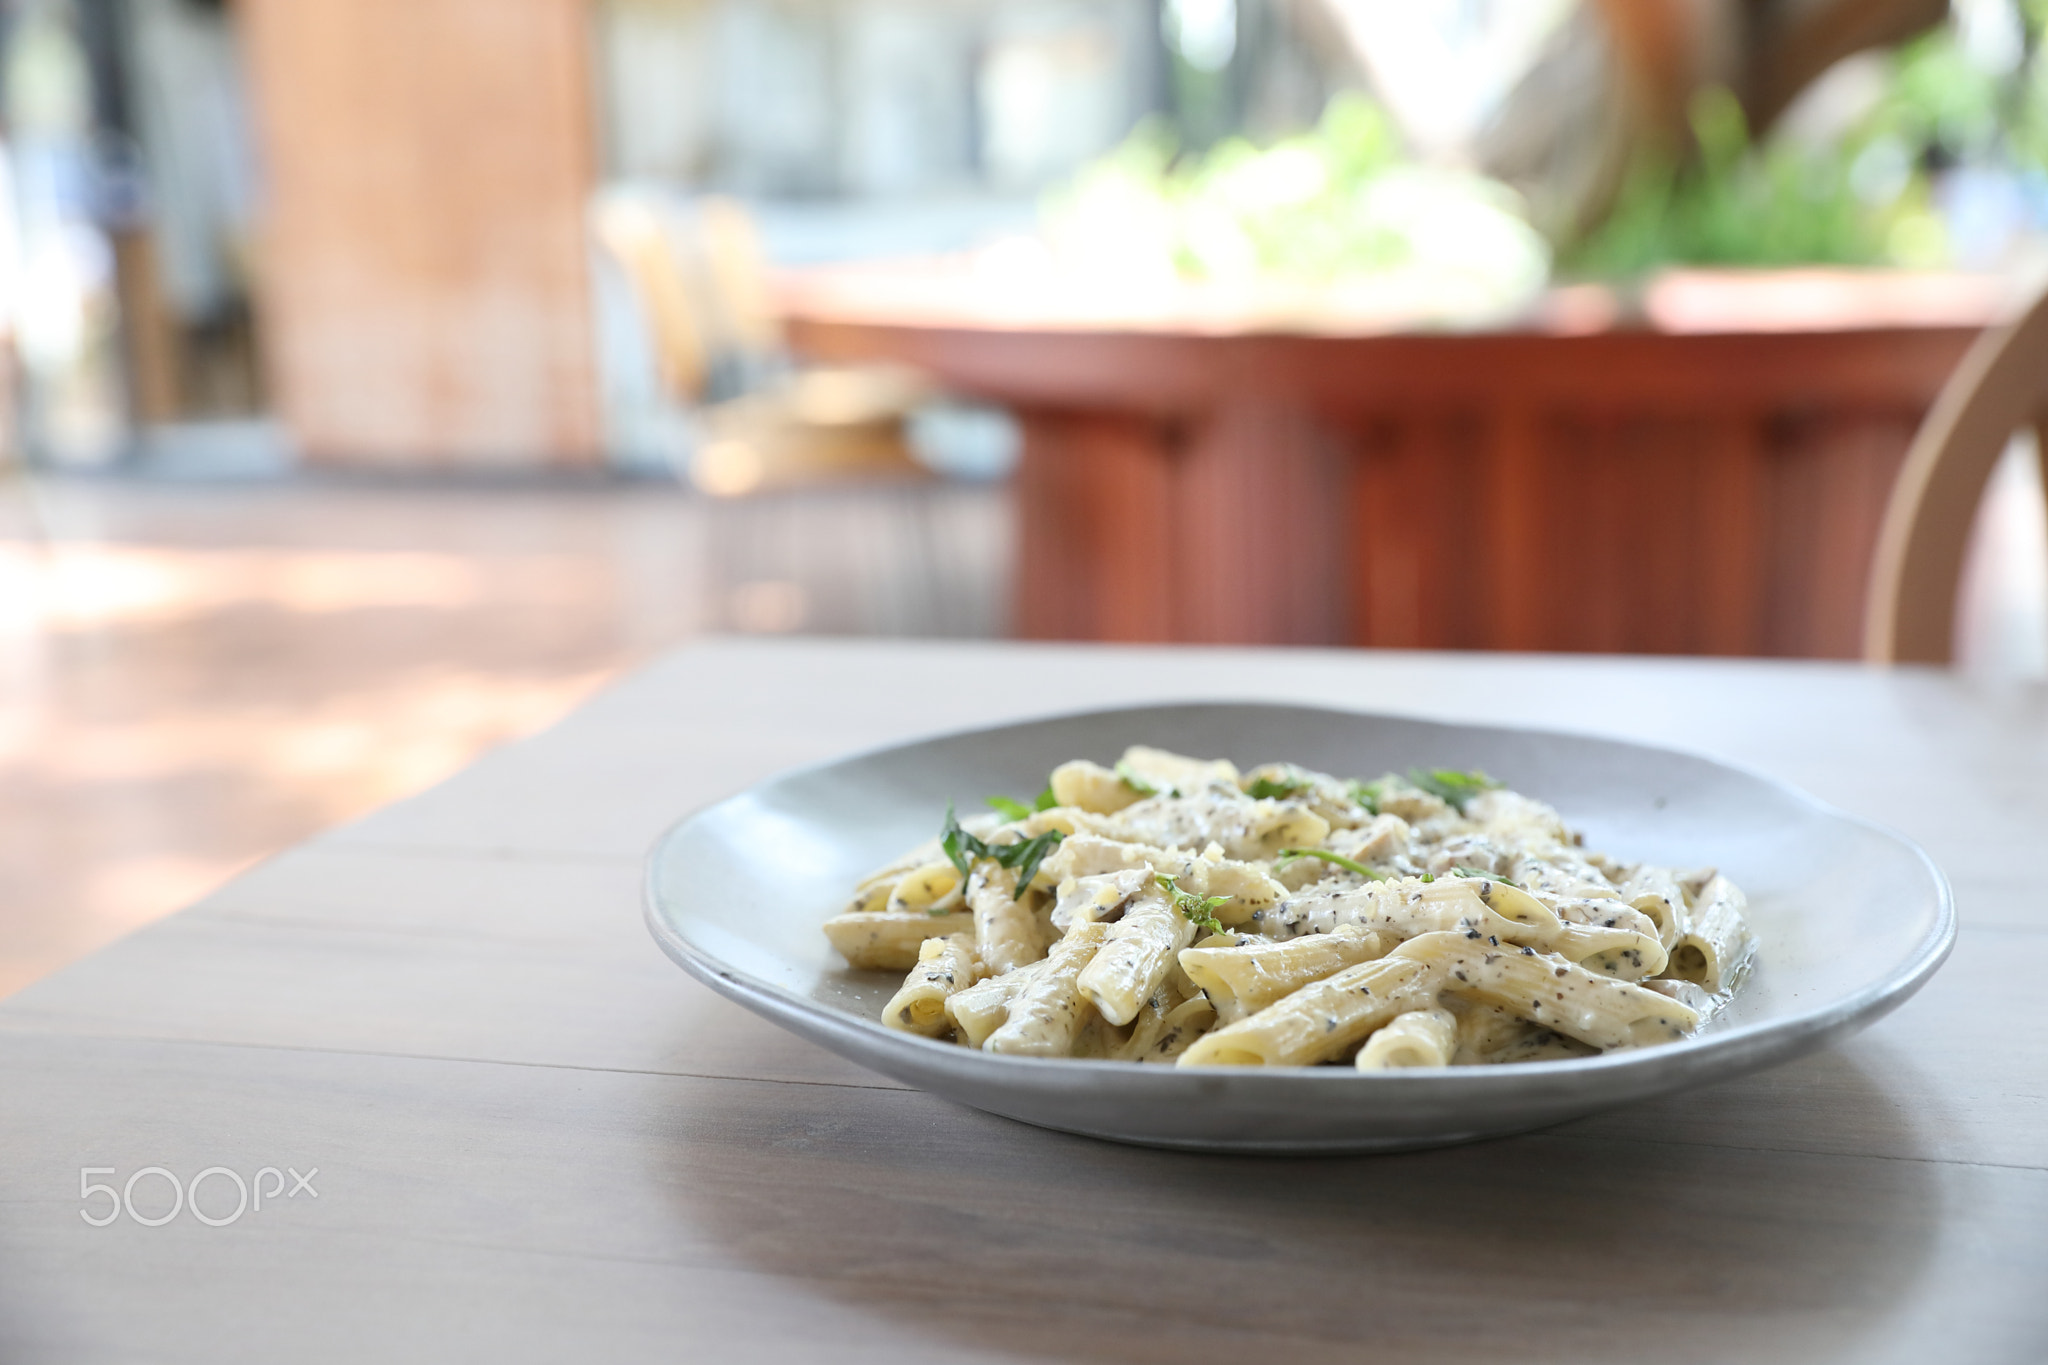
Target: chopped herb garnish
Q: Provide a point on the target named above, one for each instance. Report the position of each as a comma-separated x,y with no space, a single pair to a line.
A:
1264,788
1200,910
1024,856
1366,794
1288,855
1486,876
1128,775
957,844
1017,810
1453,786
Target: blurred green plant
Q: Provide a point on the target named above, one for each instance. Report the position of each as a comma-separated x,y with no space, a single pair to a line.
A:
1344,205
1862,197
1863,201
1341,203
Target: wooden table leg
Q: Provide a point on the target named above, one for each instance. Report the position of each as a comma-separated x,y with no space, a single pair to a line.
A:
1094,528
1258,515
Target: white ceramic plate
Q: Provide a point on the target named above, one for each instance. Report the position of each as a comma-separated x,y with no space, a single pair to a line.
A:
1852,919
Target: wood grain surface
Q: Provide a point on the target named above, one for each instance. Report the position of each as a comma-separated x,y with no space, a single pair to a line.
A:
537,1140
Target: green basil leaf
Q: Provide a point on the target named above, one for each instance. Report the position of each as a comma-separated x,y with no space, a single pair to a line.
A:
1263,788
1453,786
1025,856
1129,777
960,847
1288,855
1486,876
1199,910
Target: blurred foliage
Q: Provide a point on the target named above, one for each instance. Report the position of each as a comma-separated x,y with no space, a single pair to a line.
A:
1865,196
1339,203
1864,181
1778,204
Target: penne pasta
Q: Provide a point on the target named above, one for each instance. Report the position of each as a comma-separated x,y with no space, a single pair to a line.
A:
1714,943
1418,1038
1045,1018
1174,909
944,967
1243,979
887,941
1322,1019
1547,990
1006,933
1136,955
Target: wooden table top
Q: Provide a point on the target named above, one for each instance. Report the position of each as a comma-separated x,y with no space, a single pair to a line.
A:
1704,340
535,1139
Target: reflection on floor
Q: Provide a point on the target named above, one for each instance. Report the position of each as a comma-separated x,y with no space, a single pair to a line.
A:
194,676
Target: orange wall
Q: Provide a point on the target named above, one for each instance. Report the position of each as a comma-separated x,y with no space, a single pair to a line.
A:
423,274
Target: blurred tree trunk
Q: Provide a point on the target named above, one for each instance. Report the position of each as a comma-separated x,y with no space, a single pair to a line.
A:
1787,44
1619,77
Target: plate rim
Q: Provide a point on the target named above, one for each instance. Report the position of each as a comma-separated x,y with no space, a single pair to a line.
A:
1783,1038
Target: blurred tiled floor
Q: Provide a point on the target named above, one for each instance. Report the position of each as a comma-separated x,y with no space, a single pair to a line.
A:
193,676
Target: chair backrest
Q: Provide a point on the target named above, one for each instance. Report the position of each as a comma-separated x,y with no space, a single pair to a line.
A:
700,275
2000,387
633,230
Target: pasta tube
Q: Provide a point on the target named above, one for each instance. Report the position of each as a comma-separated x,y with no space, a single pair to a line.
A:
1241,827
1333,799
1417,1038
1620,942
1490,1036
981,1009
1006,934
1249,888
1556,871
872,891
1480,908
1102,896
1092,788
1484,1030
1547,990
883,940
1656,894
1136,956
1379,839
1508,817
1324,1018
1045,1017
944,967
1411,906
923,888
1241,980
1171,774
1172,1033
1715,946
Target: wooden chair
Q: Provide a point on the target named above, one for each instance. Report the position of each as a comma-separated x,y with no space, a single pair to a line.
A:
816,514
765,424
2000,387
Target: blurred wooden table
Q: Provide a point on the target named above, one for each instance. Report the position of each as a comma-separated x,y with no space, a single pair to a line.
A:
1704,479
537,1140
